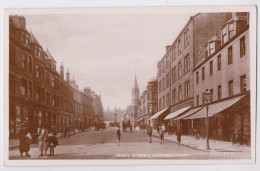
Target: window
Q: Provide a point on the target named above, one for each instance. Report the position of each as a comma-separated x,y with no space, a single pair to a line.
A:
230,88
167,61
202,97
179,46
219,62
211,67
224,35
159,69
163,101
12,54
187,89
27,39
173,54
160,86
37,94
180,93
160,103
30,63
23,87
231,30
242,47
150,109
30,90
219,92
186,38
179,70
211,48
203,73
37,68
197,77
53,100
167,80
43,95
211,95
173,75
52,82
198,100
230,55
174,96
11,84
167,99
243,83
186,63
206,53
24,62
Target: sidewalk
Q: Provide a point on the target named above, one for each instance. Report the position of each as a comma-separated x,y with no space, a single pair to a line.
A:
200,144
13,143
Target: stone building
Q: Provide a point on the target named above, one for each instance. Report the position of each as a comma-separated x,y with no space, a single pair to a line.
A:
148,103
225,72
175,75
38,95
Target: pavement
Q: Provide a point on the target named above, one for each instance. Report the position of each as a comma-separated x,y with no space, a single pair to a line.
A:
219,149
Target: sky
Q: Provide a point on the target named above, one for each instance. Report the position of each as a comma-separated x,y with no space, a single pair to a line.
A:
105,50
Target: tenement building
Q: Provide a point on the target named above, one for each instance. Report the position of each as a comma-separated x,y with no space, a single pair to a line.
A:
225,72
175,75
39,96
148,103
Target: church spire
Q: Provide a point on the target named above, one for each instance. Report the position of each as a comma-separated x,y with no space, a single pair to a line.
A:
135,93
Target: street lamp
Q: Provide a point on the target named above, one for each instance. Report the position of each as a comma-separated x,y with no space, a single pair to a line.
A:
207,95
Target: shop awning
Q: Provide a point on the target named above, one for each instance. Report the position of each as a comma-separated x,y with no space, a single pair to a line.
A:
156,115
215,108
176,113
191,112
140,119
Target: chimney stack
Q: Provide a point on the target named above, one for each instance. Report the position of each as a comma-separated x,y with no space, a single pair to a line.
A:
68,77
62,71
167,47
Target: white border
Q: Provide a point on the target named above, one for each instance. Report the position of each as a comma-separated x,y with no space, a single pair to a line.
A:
252,29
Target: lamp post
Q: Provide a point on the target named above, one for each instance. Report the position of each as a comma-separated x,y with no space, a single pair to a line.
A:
207,94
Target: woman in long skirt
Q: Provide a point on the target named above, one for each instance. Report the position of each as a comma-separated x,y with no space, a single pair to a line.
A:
43,141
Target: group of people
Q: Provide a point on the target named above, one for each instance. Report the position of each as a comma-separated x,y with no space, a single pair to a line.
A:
161,131
46,140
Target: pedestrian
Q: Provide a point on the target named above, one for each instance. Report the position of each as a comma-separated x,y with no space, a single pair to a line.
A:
161,133
163,128
150,133
53,142
178,134
24,144
118,133
43,141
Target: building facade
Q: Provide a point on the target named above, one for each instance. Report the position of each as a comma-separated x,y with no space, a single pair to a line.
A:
175,75
39,96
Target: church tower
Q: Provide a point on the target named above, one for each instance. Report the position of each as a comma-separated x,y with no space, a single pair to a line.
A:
135,93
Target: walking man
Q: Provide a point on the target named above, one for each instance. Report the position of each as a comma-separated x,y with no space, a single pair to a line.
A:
150,133
118,133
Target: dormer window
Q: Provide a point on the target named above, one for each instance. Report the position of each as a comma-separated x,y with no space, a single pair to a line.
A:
224,35
231,31
211,48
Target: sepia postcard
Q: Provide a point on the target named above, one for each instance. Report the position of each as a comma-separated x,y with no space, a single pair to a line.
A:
129,86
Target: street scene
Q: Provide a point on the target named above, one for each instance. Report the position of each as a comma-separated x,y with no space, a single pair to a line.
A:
105,86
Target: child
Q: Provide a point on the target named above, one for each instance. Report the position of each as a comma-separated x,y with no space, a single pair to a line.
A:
161,135
52,143
118,133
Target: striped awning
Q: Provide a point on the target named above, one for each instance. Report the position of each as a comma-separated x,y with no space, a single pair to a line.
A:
191,112
215,108
156,115
176,113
